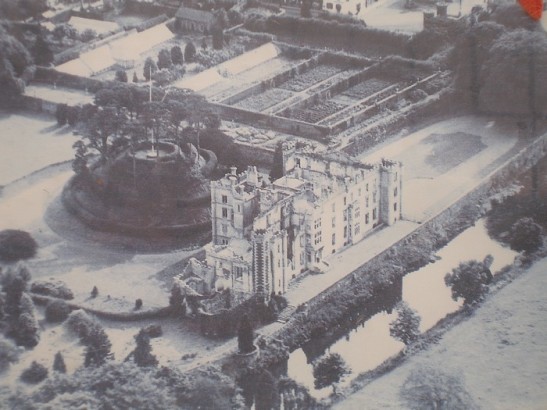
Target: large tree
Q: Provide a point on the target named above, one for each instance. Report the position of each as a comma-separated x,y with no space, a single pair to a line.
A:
102,128
468,281
526,235
515,78
150,67
97,347
142,355
329,371
429,388
406,327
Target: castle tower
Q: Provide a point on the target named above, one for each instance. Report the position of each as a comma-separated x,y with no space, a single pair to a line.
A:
261,264
390,192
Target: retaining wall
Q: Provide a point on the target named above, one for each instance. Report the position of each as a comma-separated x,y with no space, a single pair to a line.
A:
475,199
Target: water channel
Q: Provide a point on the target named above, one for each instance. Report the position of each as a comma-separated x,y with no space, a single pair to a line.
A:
369,344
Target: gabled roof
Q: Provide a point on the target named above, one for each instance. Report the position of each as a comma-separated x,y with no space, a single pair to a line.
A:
195,15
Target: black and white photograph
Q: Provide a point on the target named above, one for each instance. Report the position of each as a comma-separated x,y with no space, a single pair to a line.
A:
273,204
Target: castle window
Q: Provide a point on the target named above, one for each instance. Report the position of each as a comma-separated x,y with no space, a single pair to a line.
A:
345,201
366,202
238,208
317,223
345,231
357,228
366,218
224,199
366,187
333,239
396,176
374,214
333,221
224,229
317,239
395,192
225,212
357,212
333,207
395,206
374,197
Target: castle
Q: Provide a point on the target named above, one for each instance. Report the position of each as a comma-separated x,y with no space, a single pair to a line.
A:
265,234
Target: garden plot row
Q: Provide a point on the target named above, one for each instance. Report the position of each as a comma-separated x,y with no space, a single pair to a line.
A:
367,100
316,112
365,89
304,81
260,102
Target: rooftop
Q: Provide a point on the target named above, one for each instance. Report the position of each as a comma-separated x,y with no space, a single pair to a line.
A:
195,15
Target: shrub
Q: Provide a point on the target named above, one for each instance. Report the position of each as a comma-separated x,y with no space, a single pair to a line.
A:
80,323
26,332
34,374
189,52
153,331
94,292
54,289
176,55
16,245
468,281
121,76
8,353
526,235
138,304
406,327
245,336
57,311
164,59
59,363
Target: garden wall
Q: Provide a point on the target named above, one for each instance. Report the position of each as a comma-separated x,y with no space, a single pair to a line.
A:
299,128
50,76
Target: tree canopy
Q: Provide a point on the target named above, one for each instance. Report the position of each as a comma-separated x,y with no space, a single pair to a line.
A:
406,327
16,245
428,388
468,281
329,371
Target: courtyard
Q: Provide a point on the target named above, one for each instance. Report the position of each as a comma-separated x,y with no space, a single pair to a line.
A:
445,160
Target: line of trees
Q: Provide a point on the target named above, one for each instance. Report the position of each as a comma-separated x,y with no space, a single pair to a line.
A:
123,117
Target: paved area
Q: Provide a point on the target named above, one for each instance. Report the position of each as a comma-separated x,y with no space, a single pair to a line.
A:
430,185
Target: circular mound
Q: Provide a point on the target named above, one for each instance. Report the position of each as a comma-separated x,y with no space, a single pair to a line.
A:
157,191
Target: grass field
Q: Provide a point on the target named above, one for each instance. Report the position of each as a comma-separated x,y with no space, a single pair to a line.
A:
31,142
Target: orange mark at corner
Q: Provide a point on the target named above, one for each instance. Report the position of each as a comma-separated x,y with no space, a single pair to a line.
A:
533,8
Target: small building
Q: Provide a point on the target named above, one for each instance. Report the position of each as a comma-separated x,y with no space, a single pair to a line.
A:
188,19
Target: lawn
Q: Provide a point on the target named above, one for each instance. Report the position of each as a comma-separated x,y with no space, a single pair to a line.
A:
30,142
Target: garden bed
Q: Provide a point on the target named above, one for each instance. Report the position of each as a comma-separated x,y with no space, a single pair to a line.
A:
260,102
306,80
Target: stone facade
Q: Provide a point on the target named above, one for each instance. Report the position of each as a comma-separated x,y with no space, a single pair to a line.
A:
265,234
